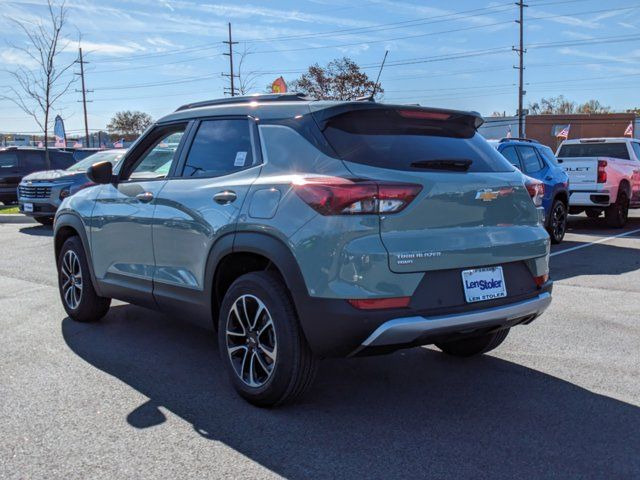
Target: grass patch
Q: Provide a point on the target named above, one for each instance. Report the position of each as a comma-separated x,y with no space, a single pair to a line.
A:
4,209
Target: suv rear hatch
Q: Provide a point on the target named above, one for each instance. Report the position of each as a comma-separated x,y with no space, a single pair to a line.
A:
472,210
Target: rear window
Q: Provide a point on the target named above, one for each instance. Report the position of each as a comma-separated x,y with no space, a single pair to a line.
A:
386,139
613,150
8,160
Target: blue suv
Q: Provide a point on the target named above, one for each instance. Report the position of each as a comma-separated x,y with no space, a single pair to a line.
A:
538,161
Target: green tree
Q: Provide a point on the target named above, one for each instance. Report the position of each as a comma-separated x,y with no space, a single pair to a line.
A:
340,79
129,124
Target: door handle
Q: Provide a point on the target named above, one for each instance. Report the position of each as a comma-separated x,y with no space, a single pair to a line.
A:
145,197
225,197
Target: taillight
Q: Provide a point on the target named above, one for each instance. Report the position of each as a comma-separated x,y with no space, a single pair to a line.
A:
341,196
535,189
381,303
602,171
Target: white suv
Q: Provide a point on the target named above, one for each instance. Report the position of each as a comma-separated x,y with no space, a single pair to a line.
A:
604,176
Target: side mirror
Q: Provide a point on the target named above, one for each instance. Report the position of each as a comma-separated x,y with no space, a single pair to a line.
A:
100,173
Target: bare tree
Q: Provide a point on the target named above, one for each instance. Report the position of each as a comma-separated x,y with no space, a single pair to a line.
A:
37,90
246,78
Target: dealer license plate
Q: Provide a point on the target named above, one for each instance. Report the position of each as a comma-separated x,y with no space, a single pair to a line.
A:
482,284
28,207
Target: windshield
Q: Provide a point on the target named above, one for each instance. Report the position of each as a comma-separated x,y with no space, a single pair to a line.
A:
83,165
611,150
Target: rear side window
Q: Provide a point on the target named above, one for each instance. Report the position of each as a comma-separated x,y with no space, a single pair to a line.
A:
511,155
33,161
636,149
383,138
8,160
548,155
220,147
613,150
530,161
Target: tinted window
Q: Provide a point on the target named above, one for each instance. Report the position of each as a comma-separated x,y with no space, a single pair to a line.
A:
220,147
548,155
150,165
636,149
33,161
386,139
8,160
511,155
530,161
61,160
613,150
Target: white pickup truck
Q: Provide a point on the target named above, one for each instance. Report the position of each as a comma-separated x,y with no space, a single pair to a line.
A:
604,176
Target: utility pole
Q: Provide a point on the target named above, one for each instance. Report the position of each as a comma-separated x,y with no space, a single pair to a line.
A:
521,51
84,97
231,75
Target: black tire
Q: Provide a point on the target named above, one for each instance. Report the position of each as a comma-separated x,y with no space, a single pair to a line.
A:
468,347
44,220
293,369
593,212
87,306
616,215
557,224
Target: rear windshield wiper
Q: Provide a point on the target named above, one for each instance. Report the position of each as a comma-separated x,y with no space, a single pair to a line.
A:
451,164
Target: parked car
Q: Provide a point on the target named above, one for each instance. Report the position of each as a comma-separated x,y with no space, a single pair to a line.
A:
16,162
303,229
40,193
605,177
538,161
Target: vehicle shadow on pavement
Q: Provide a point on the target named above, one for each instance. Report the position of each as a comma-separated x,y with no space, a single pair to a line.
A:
588,261
38,230
414,414
597,227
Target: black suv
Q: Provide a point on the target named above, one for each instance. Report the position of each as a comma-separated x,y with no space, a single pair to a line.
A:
16,162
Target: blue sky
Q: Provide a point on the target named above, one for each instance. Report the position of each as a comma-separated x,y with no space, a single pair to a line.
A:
154,55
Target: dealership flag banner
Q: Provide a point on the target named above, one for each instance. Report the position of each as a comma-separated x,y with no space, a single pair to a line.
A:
58,132
564,133
279,86
629,131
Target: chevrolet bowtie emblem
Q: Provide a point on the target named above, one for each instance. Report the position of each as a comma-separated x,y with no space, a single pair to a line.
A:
487,195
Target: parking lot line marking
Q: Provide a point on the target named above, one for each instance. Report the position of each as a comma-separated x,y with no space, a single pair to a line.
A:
602,240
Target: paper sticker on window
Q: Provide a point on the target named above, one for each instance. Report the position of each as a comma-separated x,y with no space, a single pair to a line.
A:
241,157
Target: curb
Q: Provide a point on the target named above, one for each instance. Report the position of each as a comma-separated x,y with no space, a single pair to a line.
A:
15,218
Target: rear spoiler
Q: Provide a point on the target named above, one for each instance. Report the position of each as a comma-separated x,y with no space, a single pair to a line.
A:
323,115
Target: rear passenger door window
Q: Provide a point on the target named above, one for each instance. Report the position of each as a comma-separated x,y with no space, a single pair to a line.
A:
220,147
636,149
511,155
531,163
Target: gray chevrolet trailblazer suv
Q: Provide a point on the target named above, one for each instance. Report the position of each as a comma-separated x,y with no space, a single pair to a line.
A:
302,229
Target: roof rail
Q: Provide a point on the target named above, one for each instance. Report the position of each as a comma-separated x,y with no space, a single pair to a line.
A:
518,139
266,97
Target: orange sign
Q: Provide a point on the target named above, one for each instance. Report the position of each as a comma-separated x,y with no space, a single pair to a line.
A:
279,86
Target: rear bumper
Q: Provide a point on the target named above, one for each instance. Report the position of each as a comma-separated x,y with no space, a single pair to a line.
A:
418,329
591,198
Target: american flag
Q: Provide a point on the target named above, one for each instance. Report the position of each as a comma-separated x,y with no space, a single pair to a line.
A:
119,143
629,131
78,144
509,131
564,133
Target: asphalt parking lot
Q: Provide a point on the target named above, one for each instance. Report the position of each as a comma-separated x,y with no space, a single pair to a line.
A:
141,395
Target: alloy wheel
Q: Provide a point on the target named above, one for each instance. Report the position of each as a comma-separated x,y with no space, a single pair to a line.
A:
251,341
559,221
72,279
